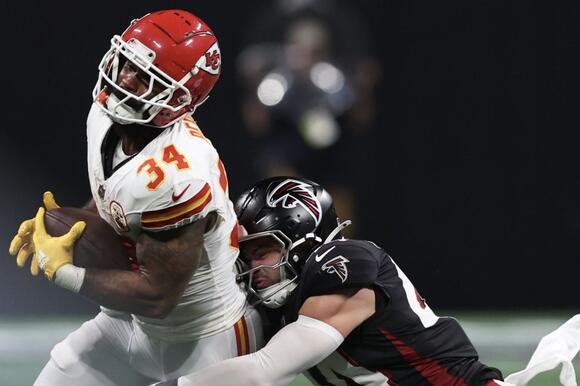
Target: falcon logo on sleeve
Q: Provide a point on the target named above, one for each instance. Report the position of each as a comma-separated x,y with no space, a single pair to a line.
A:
290,193
337,265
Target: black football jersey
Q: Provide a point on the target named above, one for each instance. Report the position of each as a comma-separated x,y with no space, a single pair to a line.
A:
404,343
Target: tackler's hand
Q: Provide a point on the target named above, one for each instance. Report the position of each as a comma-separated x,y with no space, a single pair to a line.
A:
22,245
54,252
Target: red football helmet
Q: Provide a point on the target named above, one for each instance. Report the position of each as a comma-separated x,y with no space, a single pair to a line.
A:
179,56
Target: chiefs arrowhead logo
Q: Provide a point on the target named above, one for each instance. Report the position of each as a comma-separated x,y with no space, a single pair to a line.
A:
211,60
337,265
118,215
290,193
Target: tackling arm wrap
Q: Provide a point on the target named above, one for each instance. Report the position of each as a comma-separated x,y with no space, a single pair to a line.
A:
294,349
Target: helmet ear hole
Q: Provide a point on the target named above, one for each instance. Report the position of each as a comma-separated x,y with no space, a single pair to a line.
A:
291,225
301,250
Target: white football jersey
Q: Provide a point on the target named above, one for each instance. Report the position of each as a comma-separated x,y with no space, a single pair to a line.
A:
176,179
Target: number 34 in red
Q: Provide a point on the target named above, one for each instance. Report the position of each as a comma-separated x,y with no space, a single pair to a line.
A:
170,156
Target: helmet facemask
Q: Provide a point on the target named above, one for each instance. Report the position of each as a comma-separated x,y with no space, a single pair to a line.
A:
125,107
276,294
299,214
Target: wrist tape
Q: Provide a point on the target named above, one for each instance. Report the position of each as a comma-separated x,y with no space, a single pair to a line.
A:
70,277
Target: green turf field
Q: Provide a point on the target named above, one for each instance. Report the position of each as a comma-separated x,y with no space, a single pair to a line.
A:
504,340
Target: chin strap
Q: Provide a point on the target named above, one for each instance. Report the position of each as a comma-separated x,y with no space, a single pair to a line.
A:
276,295
337,230
121,110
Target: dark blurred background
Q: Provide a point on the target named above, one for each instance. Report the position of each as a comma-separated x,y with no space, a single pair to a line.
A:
448,130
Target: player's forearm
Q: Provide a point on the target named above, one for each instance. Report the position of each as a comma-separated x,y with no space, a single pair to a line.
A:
169,259
128,291
309,339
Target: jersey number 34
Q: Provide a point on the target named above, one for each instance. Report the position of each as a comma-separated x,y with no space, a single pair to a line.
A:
170,156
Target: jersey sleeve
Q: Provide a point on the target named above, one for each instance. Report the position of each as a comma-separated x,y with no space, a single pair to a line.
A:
187,201
187,192
339,265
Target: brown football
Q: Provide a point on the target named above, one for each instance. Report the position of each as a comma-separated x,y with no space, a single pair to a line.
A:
99,246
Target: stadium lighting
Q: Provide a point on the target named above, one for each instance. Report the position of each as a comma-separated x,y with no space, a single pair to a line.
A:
272,89
319,129
327,77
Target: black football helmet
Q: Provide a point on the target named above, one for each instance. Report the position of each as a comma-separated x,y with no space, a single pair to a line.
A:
299,215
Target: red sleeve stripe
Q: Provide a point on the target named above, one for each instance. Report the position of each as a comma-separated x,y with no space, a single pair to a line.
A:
242,337
168,216
177,218
159,214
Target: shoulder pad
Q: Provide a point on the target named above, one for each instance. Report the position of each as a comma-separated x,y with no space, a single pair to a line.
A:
340,264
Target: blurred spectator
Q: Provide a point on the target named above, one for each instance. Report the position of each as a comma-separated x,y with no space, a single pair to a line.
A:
308,102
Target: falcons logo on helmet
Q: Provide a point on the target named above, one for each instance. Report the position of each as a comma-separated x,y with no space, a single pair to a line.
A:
337,265
291,193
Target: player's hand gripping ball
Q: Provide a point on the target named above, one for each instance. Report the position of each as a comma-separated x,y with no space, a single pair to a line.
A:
54,252
99,246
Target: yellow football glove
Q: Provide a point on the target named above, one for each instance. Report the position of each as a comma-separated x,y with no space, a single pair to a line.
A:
22,244
54,252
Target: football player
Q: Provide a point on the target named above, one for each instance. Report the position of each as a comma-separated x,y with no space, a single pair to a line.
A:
159,182
348,315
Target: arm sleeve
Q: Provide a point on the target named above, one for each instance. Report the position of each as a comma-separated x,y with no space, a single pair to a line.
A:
294,349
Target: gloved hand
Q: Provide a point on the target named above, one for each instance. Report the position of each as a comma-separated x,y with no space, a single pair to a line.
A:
54,252
22,244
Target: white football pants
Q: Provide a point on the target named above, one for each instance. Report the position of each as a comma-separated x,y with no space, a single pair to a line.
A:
113,350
